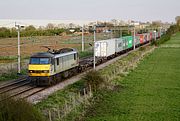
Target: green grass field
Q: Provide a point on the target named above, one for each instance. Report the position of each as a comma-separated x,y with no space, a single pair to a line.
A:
149,93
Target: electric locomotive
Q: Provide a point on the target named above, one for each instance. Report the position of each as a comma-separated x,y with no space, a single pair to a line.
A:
47,68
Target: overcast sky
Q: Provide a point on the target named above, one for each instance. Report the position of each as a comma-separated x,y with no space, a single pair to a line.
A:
140,10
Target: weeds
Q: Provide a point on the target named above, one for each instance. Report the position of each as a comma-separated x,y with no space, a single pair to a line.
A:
142,48
94,79
18,110
12,75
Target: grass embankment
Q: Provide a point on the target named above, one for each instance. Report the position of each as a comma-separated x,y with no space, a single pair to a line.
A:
149,93
59,98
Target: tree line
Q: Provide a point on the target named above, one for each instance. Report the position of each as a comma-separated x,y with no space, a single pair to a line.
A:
30,31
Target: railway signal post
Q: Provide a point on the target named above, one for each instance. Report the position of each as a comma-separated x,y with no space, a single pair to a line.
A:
134,43
82,38
94,64
19,54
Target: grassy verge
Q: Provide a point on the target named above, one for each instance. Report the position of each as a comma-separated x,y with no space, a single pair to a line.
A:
12,75
6,59
149,93
59,98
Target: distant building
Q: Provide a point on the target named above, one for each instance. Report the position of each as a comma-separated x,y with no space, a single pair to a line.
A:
102,28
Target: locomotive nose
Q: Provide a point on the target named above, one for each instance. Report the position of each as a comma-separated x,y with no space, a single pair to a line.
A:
39,70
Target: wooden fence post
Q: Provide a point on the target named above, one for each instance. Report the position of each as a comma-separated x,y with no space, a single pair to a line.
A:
84,93
90,91
59,117
79,96
50,119
65,111
74,104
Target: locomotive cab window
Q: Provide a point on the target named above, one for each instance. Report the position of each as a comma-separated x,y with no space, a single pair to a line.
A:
57,60
39,61
74,56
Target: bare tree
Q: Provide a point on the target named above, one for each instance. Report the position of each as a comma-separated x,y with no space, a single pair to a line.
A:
177,20
50,26
156,23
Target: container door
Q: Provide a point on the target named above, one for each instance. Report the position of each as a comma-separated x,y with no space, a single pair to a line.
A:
141,39
100,49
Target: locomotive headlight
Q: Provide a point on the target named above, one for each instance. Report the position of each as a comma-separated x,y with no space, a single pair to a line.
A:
46,71
30,71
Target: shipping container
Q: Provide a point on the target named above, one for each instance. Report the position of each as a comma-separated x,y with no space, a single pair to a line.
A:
127,42
137,40
157,35
141,38
130,41
145,37
151,36
148,37
124,43
154,35
119,45
105,48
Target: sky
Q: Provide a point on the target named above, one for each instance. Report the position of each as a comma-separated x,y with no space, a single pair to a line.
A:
138,10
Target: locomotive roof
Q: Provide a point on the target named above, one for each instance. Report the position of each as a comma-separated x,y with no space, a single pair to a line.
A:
43,54
64,54
49,55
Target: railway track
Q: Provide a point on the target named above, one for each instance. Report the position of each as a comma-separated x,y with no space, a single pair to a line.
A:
20,88
17,81
14,88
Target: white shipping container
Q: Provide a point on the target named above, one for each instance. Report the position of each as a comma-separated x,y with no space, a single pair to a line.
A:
105,48
119,44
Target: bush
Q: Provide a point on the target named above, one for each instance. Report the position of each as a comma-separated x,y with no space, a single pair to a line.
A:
94,79
18,110
142,48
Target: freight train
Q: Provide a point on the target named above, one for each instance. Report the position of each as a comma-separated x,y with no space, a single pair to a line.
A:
50,67
109,48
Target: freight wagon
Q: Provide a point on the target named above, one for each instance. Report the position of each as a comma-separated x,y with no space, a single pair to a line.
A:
105,48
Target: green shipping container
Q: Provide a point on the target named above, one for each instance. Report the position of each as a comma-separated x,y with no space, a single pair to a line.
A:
130,41
127,42
124,39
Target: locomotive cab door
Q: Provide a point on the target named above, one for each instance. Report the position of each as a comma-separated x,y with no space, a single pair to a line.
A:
53,69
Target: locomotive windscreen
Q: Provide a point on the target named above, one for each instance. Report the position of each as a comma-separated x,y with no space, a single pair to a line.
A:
39,61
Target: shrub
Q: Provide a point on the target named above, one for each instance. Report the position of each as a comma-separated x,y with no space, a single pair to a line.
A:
154,43
142,48
18,110
94,79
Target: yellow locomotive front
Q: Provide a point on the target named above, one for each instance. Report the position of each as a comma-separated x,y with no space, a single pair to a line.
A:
40,68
